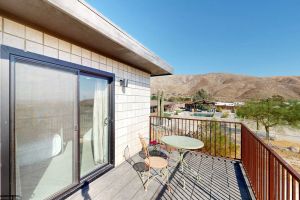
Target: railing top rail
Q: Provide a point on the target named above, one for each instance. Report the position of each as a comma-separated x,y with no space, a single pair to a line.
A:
222,121
287,166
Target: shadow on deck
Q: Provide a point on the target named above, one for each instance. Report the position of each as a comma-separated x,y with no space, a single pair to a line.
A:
219,179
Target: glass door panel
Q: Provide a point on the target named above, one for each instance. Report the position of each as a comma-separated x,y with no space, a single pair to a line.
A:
94,103
45,140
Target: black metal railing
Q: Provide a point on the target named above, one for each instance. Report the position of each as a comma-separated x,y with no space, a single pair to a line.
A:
270,176
221,138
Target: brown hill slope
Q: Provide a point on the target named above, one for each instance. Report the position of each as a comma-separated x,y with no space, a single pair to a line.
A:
228,87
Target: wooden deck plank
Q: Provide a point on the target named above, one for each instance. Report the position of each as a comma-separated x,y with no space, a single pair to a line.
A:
219,185
100,184
219,179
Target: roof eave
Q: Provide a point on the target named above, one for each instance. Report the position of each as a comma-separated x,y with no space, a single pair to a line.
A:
88,28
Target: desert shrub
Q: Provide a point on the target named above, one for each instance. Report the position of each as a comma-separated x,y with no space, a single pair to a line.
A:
167,115
177,112
172,99
218,109
225,114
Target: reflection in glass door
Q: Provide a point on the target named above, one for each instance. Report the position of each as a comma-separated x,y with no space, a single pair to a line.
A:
45,140
94,104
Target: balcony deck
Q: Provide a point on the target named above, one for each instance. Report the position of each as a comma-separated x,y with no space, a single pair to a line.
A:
219,179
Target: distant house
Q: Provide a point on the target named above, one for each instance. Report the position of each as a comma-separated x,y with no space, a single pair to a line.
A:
75,92
192,105
168,106
228,106
231,106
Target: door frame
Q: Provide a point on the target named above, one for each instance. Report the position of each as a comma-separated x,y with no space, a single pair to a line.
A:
10,54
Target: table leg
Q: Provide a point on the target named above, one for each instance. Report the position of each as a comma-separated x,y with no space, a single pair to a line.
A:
183,162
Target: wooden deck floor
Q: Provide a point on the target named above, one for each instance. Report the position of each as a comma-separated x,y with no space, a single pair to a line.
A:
219,179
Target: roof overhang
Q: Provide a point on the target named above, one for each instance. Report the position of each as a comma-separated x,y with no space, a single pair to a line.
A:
78,22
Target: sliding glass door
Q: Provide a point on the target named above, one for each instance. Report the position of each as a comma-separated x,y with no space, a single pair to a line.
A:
45,129
60,128
94,119
59,132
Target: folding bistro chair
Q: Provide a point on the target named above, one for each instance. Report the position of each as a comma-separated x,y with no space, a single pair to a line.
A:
156,163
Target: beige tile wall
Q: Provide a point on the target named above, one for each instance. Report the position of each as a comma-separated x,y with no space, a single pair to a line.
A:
132,105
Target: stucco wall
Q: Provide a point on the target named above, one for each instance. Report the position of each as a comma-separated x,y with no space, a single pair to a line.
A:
132,105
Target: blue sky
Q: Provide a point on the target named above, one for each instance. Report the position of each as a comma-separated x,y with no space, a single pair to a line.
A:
254,37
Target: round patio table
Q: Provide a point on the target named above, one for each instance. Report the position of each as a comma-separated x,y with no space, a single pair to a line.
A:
182,143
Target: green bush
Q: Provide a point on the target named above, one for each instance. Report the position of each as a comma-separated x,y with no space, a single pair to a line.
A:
216,142
172,99
271,112
153,97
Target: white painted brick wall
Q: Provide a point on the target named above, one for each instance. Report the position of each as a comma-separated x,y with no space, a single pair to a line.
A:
132,105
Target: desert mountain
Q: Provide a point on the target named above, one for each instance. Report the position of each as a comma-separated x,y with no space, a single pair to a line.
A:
228,87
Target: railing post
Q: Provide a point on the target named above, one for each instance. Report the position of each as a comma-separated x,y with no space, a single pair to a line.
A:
150,135
271,176
242,138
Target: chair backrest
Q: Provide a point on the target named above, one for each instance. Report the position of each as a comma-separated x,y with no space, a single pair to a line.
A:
127,155
144,146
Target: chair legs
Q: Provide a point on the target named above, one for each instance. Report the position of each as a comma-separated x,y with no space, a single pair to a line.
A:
167,180
143,176
149,178
164,173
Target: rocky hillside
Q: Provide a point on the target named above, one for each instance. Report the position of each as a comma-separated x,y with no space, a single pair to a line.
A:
228,87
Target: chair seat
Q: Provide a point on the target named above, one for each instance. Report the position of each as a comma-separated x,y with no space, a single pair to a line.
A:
156,162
